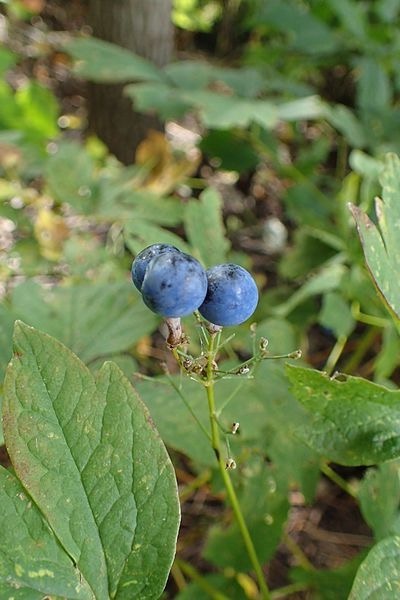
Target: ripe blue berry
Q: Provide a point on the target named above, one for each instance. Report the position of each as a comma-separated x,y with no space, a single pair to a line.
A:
142,260
232,295
174,285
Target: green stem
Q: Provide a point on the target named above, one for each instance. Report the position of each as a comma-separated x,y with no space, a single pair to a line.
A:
285,592
335,354
203,584
233,500
333,476
298,553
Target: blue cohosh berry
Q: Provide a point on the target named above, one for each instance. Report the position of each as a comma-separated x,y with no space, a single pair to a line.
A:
232,295
174,285
143,259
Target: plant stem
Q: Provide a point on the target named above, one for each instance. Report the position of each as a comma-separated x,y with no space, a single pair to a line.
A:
333,476
285,592
203,584
233,500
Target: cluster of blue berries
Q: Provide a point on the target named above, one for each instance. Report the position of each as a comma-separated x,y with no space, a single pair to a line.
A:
174,284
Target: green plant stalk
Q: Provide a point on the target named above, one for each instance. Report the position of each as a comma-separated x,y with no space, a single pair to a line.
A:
233,500
340,482
203,584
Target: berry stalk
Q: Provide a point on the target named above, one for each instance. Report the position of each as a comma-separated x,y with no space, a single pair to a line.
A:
230,490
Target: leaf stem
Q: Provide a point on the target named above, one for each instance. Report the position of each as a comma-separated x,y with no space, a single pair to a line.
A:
203,584
233,500
333,476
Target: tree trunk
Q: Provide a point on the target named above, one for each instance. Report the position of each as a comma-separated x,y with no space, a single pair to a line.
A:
144,27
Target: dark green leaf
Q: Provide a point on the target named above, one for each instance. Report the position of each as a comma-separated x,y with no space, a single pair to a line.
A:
351,421
89,456
32,562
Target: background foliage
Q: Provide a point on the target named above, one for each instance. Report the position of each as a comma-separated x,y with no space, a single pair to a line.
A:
278,116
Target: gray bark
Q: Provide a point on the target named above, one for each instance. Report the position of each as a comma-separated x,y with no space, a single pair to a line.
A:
144,27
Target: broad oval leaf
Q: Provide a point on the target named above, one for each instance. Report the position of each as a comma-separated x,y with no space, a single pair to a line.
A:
352,421
87,452
378,577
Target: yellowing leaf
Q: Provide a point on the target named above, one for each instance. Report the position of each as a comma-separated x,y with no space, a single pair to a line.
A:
165,169
51,232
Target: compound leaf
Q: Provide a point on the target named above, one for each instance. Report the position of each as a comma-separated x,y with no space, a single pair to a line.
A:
88,454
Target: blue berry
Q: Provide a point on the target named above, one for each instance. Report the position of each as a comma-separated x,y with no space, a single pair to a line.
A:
232,295
142,260
175,284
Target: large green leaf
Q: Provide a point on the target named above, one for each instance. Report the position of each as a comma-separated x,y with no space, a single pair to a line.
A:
86,451
352,421
108,63
32,562
92,320
381,242
378,577
205,229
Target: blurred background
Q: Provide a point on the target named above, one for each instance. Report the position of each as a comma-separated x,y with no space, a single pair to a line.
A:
237,130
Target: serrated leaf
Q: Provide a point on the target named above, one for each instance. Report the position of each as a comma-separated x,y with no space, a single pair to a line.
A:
381,242
32,562
378,577
89,456
351,421
108,63
205,229
92,320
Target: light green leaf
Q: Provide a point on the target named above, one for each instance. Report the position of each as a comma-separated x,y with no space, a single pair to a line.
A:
39,109
108,63
378,577
379,498
167,101
351,421
336,315
140,233
93,320
70,176
326,280
381,242
310,107
352,16
345,121
205,229
87,452
32,562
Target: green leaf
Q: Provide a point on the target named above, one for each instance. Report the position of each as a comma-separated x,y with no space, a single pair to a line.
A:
93,320
351,421
235,153
381,242
310,107
7,60
352,16
140,233
205,229
345,121
378,577
108,63
336,315
39,109
379,497
32,562
167,101
373,87
326,280
86,451
265,509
